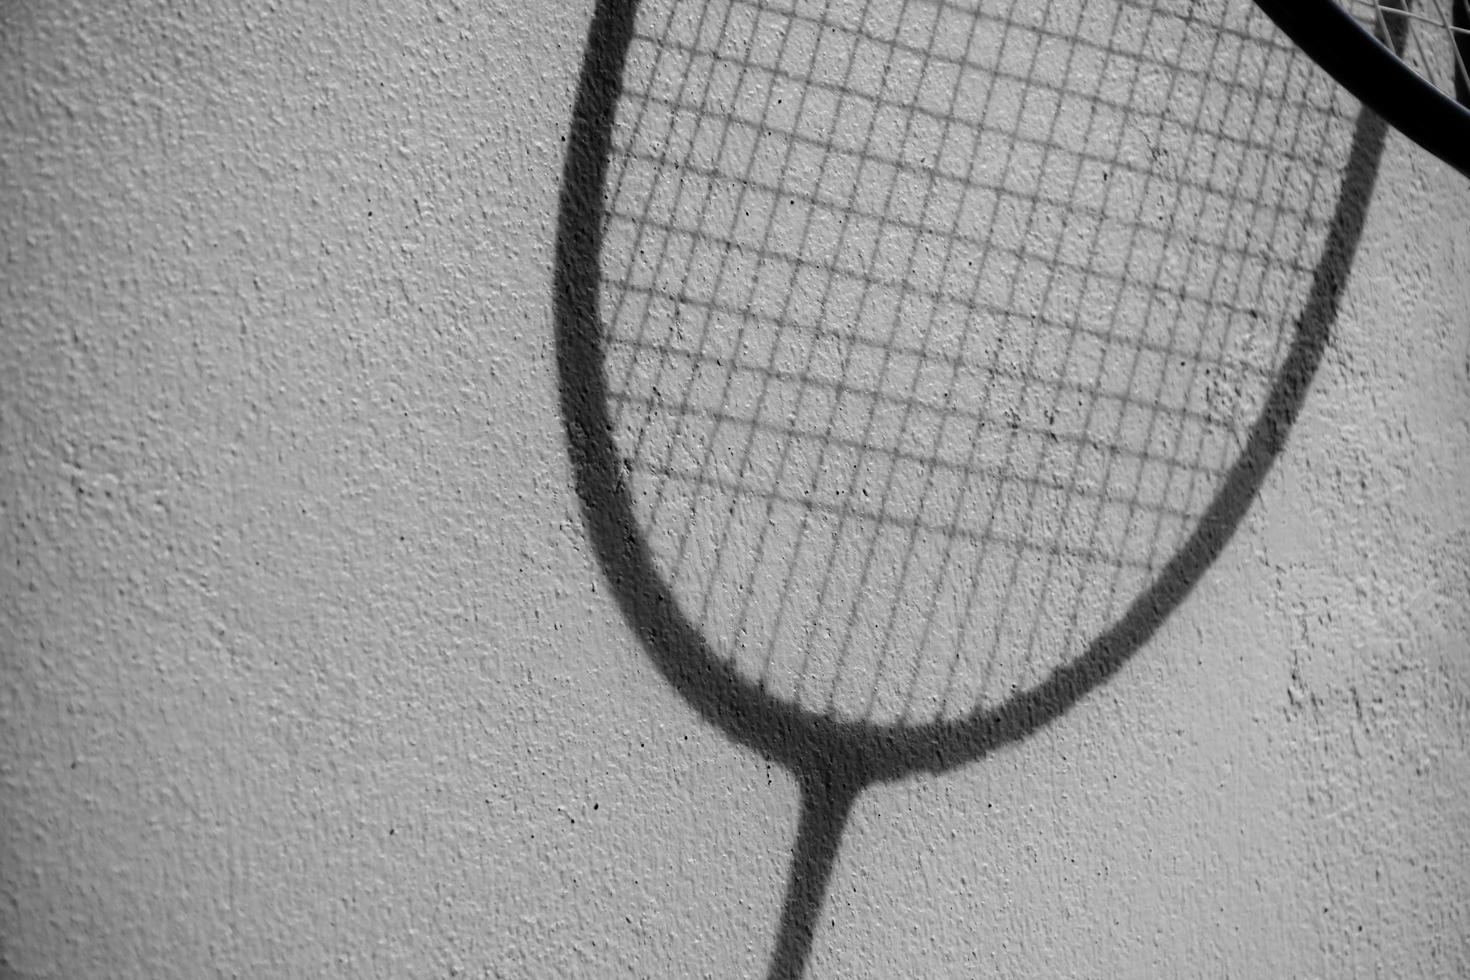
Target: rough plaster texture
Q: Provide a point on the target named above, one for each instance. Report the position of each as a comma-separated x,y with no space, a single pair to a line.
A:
307,670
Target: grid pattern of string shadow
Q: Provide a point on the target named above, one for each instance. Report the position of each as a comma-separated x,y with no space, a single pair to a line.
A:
931,327
1438,45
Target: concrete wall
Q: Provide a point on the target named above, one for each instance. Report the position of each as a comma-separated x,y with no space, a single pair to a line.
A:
308,670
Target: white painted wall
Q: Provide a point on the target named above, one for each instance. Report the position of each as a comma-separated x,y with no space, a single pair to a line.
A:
307,670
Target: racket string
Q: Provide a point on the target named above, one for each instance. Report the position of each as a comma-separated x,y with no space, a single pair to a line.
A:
888,632
774,359
1446,67
971,370
1251,211
882,514
746,592
1230,271
683,171
1156,535
705,324
697,54
615,191
1131,509
1013,574
801,536
857,604
845,642
1020,251
828,564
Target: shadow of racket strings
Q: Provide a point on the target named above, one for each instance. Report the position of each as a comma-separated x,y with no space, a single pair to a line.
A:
916,359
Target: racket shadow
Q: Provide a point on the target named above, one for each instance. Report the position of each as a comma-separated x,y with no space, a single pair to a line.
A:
832,759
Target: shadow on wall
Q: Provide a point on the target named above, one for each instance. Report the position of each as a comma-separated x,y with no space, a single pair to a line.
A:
821,388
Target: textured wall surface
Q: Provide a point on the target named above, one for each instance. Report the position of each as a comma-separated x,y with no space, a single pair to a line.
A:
306,668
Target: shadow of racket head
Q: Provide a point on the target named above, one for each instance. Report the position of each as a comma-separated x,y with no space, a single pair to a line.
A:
917,360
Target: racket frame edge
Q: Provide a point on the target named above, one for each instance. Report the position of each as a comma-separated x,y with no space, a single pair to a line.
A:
1376,76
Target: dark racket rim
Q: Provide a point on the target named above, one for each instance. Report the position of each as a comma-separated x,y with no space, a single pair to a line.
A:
784,732
1378,77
